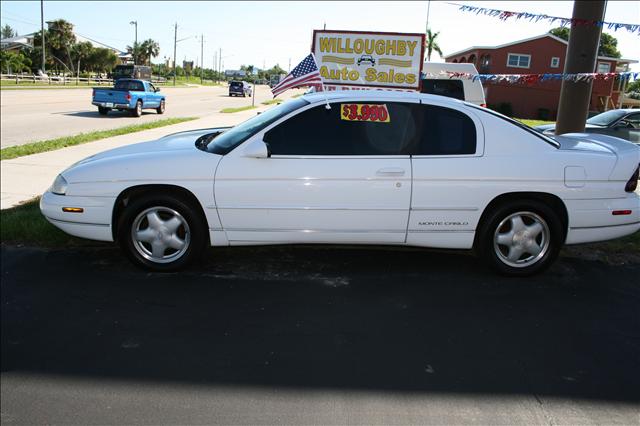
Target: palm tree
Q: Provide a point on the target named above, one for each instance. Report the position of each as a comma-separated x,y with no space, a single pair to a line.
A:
431,44
138,52
150,49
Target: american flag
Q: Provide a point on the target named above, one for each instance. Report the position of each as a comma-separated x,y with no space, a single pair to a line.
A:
304,74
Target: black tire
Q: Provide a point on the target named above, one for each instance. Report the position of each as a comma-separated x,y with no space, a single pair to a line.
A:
527,226
192,231
103,110
160,109
137,111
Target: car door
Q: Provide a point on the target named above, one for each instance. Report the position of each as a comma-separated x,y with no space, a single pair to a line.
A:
446,203
152,98
329,179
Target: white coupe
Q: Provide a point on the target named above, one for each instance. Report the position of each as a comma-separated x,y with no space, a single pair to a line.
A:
374,168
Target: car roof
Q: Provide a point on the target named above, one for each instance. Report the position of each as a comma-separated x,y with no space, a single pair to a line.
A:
379,94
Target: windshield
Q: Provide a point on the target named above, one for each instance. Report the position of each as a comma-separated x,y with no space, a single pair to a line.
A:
606,118
236,135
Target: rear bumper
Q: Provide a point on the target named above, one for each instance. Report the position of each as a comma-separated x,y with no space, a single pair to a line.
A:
93,223
593,220
111,105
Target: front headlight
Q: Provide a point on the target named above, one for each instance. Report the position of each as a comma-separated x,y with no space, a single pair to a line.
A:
59,186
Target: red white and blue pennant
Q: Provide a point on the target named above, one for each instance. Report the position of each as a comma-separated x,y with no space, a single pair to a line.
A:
536,17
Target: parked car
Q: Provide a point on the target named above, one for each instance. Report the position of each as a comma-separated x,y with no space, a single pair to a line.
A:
239,88
129,95
438,81
621,123
378,167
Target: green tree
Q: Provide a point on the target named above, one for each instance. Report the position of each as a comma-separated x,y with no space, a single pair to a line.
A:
14,62
80,53
102,59
608,44
138,53
150,49
60,40
8,32
430,44
633,86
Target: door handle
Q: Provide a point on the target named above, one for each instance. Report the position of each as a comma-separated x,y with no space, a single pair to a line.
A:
390,171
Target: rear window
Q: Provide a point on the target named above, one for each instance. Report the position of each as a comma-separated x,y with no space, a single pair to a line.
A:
236,84
136,86
449,88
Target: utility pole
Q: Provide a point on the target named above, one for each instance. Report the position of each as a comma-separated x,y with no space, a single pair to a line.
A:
175,45
428,7
220,63
201,57
135,44
215,66
42,33
289,65
581,57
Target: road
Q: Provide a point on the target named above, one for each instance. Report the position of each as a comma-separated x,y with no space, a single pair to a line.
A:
33,115
316,335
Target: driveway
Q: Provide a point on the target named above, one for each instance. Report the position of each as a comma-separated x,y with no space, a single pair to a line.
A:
323,335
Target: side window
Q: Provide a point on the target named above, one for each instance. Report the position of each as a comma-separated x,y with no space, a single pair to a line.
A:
318,131
446,131
450,88
152,88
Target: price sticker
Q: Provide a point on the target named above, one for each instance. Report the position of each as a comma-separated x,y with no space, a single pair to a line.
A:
365,112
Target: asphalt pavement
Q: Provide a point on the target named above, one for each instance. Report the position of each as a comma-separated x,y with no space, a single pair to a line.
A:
34,115
316,335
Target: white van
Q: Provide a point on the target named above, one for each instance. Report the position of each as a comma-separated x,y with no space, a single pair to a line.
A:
438,82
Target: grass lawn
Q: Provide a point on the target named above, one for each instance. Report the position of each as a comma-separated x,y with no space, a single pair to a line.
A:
532,123
244,108
25,225
273,101
53,144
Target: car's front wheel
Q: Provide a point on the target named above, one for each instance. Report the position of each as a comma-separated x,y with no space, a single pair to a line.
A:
161,233
520,238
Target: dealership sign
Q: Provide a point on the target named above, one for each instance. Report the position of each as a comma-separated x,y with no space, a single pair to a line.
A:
353,59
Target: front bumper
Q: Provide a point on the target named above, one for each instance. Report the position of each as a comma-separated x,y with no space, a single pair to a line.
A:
93,223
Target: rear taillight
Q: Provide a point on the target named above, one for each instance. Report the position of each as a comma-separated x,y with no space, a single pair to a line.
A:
633,182
483,105
128,96
93,93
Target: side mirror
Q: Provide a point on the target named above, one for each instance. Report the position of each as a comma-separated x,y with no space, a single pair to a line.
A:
257,149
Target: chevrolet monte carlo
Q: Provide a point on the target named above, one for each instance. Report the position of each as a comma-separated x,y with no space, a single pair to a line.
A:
356,168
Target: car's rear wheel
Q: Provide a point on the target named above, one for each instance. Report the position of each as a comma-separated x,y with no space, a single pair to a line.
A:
520,238
160,109
103,110
137,111
161,233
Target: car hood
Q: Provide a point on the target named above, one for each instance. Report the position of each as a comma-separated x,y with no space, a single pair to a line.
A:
174,156
173,142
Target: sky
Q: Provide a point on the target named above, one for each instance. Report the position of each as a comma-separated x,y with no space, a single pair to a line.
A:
266,33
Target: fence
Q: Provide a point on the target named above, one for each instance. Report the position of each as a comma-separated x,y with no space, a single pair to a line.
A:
28,79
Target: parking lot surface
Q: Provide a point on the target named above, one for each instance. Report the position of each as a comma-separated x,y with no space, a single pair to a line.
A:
323,335
34,115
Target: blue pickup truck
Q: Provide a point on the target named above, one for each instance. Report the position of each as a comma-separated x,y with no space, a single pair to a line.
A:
129,95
